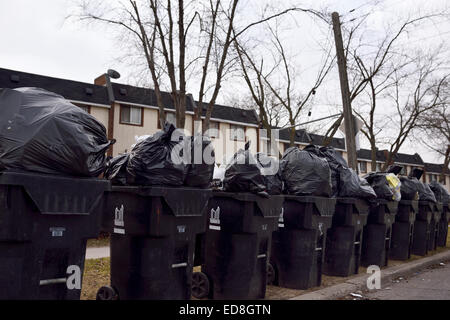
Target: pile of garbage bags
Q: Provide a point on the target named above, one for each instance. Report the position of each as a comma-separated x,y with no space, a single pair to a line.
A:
322,172
243,174
42,132
305,173
440,192
387,186
165,159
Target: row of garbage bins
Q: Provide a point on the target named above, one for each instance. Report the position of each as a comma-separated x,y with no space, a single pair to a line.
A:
287,227
242,241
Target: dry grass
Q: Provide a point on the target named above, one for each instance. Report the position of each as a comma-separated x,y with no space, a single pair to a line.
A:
96,275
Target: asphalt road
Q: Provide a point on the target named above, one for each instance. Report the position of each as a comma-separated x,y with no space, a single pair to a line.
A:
429,284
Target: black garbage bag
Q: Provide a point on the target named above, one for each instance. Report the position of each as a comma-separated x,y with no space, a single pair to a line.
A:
200,166
440,192
116,169
425,193
269,167
386,185
353,186
242,174
409,188
41,131
157,160
335,161
305,173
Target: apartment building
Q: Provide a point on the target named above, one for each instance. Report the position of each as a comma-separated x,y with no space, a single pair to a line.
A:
134,112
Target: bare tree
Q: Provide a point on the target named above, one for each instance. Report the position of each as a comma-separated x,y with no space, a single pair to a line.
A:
370,73
433,129
426,84
165,31
275,87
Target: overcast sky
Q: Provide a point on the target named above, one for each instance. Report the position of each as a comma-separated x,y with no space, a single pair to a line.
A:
36,37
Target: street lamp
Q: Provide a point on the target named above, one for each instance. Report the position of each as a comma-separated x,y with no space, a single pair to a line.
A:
108,75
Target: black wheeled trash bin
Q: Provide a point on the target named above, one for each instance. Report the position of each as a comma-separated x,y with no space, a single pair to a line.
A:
45,221
377,233
434,226
298,247
153,232
236,246
423,226
443,225
403,230
344,238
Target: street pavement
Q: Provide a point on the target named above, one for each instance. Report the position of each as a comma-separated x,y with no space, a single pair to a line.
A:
429,284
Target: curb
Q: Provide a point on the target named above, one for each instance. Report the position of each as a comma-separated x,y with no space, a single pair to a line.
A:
387,275
97,253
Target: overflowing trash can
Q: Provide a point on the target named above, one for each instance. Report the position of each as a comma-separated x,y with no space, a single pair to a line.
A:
298,247
153,232
45,221
443,225
377,233
403,230
424,228
344,238
234,251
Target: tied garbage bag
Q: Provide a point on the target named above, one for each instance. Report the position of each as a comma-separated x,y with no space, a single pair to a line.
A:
41,131
269,167
425,193
440,192
335,161
200,166
158,159
353,186
116,169
304,173
242,174
385,185
409,188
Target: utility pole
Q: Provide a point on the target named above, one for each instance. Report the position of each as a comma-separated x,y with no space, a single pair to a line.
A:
345,92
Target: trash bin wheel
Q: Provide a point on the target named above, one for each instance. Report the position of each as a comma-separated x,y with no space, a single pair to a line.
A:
271,274
107,293
200,285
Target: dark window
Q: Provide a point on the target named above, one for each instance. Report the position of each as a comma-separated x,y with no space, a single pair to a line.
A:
237,133
131,115
363,166
214,129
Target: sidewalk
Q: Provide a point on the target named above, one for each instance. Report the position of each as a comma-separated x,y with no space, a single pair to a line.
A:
97,253
359,283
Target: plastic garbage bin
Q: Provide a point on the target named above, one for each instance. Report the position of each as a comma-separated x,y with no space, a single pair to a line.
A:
298,247
443,225
423,228
434,226
236,246
344,238
403,230
45,221
152,242
377,233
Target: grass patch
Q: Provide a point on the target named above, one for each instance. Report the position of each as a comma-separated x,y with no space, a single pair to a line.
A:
96,274
101,241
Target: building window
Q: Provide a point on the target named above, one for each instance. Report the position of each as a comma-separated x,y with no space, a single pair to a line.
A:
403,171
237,133
131,115
378,168
214,129
363,166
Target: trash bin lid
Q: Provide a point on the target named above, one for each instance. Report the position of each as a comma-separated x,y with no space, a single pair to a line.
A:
58,194
183,201
325,206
